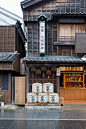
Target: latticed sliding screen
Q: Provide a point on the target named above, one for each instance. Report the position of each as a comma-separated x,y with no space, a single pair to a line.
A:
67,31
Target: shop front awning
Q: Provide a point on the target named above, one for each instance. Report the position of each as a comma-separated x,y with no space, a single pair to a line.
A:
54,59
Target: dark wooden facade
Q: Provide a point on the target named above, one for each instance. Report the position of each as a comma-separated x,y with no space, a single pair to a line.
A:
12,41
33,9
9,69
66,20
67,15
62,43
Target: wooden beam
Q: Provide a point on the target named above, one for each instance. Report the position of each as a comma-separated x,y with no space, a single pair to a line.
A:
46,8
13,90
71,50
65,6
52,38
62,50
32,39
57,50
32,15
17,40
27,41
27,80
9,85
27,15
57,31
80,6
75,6
50,9
55,6
3,39
57,85
85,26
7,37
47,39
84,6
37,38
70,6
60,6
41,7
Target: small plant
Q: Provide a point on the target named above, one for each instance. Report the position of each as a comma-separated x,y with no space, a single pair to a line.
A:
1,97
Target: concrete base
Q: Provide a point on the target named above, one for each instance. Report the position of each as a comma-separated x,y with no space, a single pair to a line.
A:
44,108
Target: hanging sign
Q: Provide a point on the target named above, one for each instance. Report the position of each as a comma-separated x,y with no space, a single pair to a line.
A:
58,72
42,37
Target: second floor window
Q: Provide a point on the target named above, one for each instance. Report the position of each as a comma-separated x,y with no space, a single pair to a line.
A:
67,31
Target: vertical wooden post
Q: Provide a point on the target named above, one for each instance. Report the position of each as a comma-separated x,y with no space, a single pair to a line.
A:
3,39
75,6
9,86
52,38
83,81
84,6
13,90
57,31
27,80
64,80
32,38
57,84
55,6
65,6
70,6
80,6
27,42
60,6
71,50
57,50
57,79
47,39
85,26
37,39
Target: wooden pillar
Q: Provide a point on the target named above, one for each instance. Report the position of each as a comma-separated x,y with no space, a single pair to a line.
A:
9,87
27,42
85,26
13,90
57,84
57,79
27,80
57,32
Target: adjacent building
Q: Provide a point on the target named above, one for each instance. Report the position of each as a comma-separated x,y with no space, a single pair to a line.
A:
12,42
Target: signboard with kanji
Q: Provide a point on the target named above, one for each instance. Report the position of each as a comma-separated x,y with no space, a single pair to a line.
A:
42,37
58,72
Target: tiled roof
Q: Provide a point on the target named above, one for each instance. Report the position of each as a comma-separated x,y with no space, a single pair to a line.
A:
8,56
64,59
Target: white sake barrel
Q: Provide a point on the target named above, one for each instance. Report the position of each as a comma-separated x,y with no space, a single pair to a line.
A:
48,87
31,98
42,98
36,87
53,98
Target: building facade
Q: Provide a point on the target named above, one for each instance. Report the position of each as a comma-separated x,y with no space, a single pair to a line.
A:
12,41
64,45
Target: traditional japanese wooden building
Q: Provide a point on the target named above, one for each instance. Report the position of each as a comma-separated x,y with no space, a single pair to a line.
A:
61,44
12,41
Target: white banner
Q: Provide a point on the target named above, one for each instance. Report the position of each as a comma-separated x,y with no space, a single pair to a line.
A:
42,37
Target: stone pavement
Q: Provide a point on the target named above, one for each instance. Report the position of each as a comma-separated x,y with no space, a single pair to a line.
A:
36,124
69,117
